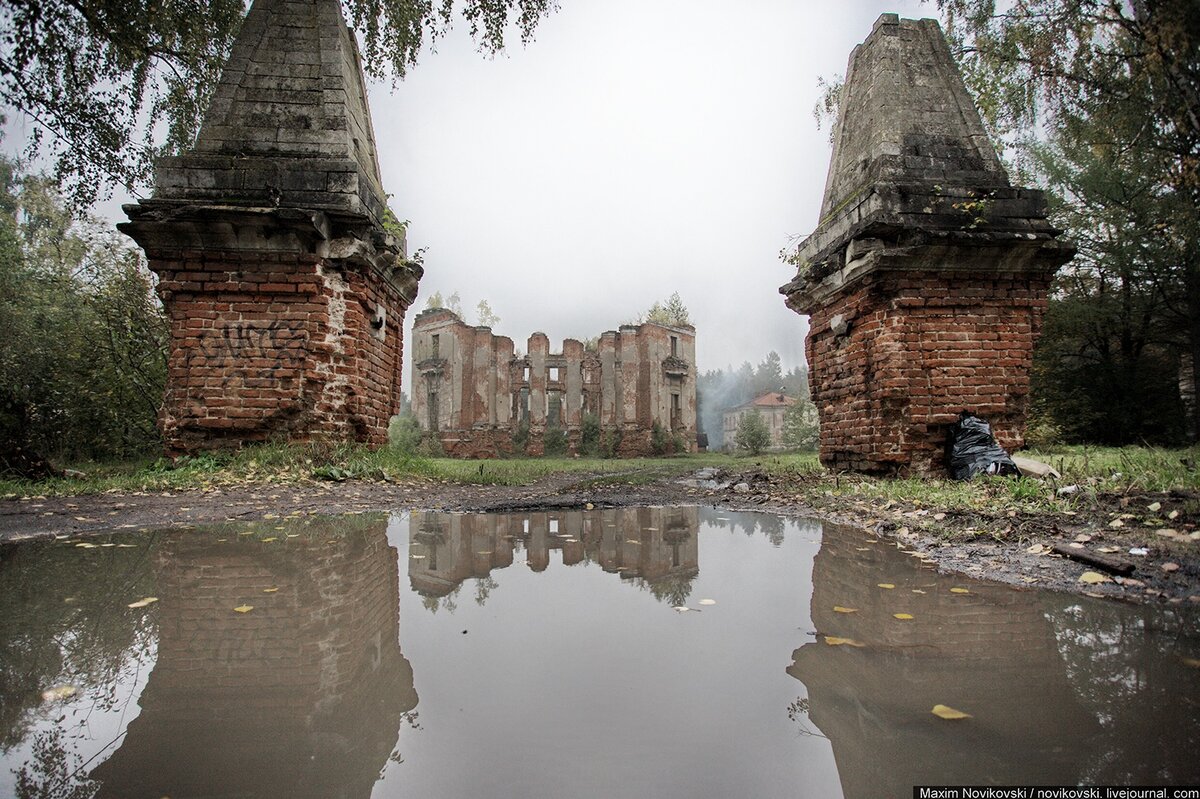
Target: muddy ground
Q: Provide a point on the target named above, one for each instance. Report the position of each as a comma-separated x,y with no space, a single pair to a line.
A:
1002,546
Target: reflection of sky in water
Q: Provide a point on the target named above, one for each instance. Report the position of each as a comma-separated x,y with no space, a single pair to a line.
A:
539,655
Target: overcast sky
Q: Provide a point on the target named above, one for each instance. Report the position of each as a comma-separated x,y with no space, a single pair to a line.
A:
634,149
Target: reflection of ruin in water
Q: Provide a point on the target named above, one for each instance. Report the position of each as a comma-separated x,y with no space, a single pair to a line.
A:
653,547
303,696
997,653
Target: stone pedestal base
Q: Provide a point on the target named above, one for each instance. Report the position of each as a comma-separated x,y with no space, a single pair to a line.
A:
283,325
894,360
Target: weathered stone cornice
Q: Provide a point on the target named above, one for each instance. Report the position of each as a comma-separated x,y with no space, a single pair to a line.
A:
969,253
165,229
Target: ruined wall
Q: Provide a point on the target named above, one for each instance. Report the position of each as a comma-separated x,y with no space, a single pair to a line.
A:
483,401
927,277
285,294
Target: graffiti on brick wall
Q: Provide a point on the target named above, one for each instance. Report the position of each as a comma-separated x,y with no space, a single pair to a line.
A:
246,349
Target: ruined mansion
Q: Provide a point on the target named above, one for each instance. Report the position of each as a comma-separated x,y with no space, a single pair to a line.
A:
633,391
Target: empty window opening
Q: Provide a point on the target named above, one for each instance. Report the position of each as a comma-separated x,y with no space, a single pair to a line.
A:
524,525
554,408
675,346
554,373
526,378
523,405
554,525
676,410
435,342
433,410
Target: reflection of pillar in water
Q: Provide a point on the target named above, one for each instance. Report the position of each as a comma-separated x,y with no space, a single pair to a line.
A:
990,653
301,696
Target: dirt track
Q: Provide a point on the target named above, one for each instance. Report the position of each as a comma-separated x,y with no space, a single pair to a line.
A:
981,545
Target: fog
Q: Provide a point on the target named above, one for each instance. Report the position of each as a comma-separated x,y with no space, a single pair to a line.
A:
635,148
632,150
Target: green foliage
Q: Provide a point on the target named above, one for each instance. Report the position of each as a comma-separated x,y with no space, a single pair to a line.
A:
753,435
589,436
404,433
520,437
82,358
111,85
720,390
801,426
660,439
678,444
1118,87
487,317
554,441
610,442
672,312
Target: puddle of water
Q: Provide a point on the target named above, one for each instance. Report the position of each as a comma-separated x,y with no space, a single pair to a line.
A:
548,655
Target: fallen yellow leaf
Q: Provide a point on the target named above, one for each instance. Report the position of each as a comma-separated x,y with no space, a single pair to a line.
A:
903,616
243,609
835,641
141,603
1092,578
270,590
271,538
886,585
959,591
1193,662
708,601
840,609
945,712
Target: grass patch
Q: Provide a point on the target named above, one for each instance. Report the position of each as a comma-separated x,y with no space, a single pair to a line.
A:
290,463
1093,471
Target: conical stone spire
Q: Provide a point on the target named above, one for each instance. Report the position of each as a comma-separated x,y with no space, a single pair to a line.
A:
911,156
288,125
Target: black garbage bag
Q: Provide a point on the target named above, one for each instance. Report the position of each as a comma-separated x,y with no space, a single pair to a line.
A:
971,450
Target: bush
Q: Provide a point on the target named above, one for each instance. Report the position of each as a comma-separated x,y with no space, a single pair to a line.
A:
801,426
554,441
610,443
589,436
660,441
752,433
404,433
520,437
678,444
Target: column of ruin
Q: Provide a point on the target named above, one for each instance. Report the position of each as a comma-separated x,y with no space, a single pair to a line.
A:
285,294
927,277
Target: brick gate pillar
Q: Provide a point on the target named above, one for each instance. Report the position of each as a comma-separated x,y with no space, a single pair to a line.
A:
286,296
927,276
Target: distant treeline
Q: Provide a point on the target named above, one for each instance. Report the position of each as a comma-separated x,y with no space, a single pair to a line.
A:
720,390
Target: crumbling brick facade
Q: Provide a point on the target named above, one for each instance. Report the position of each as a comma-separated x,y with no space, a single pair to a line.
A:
927,277
285,294
483,401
